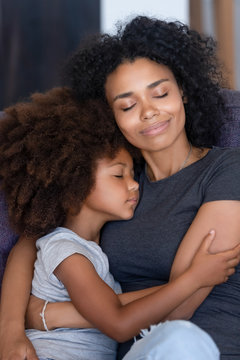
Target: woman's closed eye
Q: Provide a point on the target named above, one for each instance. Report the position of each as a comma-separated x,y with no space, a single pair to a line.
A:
161,96
128,108
154,96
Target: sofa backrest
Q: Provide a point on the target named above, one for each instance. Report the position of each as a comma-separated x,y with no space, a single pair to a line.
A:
7,236
230,133
230,138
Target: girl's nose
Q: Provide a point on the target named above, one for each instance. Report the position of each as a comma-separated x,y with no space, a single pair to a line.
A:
133,185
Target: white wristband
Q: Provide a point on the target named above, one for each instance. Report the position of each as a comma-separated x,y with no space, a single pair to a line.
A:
42,314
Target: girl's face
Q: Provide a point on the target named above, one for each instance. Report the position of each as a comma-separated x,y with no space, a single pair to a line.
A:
115,194
147,104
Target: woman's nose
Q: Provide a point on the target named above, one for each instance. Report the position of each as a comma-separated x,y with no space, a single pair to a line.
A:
148,111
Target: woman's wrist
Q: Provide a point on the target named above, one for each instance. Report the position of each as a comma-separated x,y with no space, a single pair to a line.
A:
11,326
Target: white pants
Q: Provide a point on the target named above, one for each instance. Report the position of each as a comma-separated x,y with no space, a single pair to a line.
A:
174,340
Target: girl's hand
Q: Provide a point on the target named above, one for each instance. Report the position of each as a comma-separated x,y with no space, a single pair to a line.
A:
212,269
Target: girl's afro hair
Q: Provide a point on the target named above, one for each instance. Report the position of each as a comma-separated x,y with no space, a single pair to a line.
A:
49,149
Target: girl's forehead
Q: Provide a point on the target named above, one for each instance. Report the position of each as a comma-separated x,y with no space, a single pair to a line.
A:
122,157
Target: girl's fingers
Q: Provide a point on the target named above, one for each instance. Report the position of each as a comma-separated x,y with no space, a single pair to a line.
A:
231,271
233,262
207,241
232,253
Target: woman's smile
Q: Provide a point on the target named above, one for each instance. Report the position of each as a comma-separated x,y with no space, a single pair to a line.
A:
156,128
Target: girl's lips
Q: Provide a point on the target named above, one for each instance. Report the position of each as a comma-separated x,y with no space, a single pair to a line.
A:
155,129
133,200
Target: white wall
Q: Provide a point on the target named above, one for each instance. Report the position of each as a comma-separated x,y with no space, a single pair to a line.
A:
117,10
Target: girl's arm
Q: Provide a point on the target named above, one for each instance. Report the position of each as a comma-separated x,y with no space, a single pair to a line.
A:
16,288
98,303
224,216
64,314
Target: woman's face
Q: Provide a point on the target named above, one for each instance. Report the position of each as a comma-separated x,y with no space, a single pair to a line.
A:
147,104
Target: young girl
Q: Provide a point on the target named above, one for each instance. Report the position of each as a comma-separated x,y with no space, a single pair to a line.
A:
66,170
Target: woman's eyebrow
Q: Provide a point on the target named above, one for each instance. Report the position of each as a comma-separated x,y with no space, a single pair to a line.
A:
121,96
156,83
150,86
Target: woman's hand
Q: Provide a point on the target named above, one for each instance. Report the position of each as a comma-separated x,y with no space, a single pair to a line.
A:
15,345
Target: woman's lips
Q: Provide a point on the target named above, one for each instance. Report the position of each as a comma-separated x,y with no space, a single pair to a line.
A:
156,128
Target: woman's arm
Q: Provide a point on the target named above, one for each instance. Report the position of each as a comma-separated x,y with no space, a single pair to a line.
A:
98,303
15,293
224,216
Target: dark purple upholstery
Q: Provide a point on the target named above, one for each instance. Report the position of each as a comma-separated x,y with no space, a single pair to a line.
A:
231,131
230,138
7,236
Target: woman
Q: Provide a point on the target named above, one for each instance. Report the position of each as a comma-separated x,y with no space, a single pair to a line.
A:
66,211
162,82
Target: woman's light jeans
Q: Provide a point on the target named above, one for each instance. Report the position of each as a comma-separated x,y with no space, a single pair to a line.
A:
174,340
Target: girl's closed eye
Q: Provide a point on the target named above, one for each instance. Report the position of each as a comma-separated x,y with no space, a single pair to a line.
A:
118,176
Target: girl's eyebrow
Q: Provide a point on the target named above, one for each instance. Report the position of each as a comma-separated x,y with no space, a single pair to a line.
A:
150,86
118,163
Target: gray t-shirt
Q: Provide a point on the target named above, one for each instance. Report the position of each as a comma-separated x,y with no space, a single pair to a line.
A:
64,343
141,250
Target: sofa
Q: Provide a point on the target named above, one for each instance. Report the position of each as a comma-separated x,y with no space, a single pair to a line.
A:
230,137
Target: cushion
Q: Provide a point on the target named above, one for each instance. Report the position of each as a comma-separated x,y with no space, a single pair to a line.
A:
7,237
231,129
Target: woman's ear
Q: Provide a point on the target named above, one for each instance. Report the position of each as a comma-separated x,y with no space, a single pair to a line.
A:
184,98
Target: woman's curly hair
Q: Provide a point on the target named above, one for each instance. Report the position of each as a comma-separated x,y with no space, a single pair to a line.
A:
49,149
190,56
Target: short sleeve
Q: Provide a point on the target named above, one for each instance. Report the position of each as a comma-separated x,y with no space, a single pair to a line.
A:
53,251
222,181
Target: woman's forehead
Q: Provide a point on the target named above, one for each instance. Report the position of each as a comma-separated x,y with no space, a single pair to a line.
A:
131,75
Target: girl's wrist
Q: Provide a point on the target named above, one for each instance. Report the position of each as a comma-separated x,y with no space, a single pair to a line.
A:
191,279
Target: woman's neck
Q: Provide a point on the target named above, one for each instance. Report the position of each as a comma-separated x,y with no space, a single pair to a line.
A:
168,161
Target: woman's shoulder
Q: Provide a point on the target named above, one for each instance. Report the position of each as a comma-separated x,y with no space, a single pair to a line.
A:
220,178
225,155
